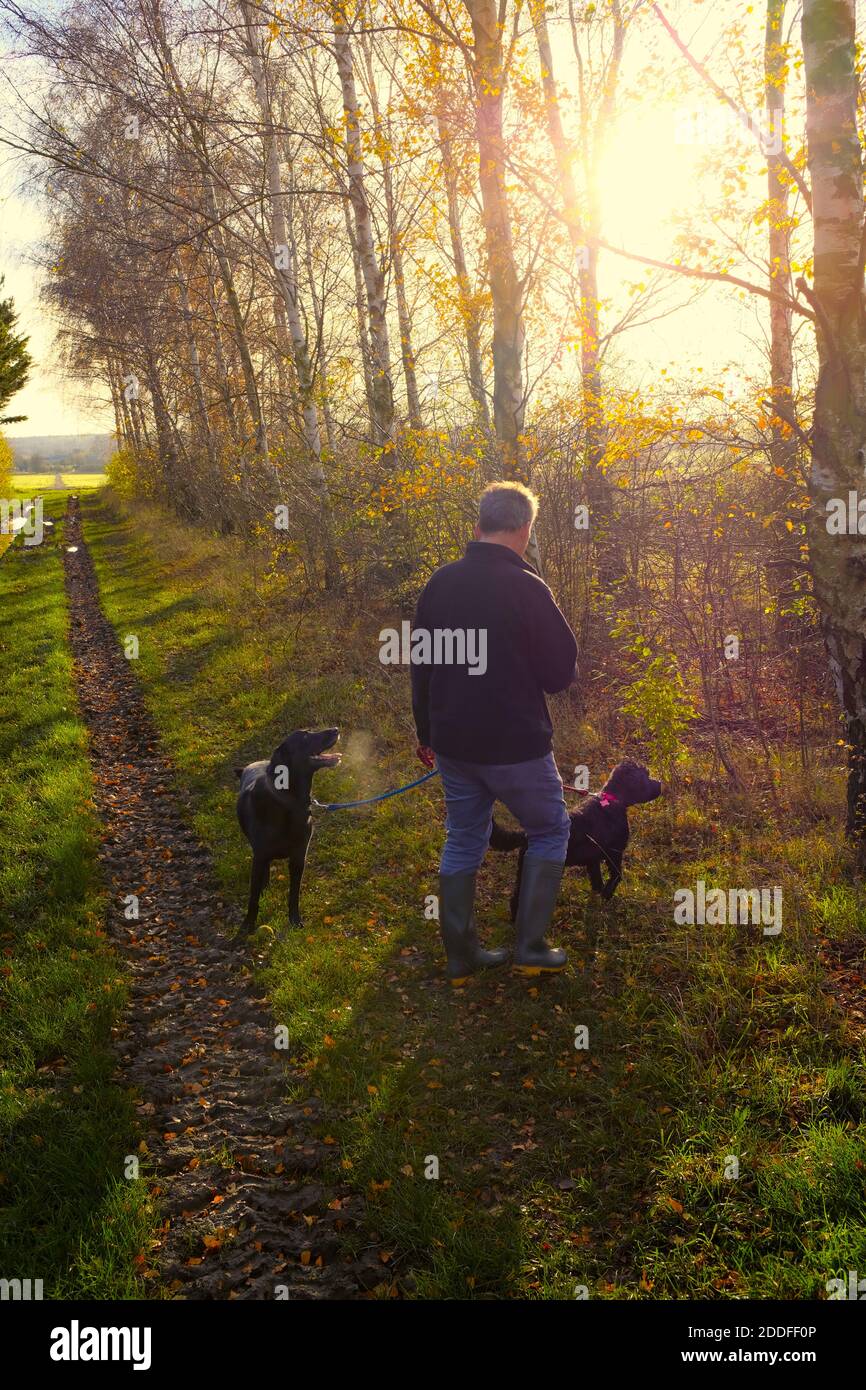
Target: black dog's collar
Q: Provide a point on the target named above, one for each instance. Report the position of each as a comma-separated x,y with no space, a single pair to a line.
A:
606,798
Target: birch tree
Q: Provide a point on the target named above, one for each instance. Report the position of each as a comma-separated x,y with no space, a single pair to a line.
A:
839,428
381,383
383,136
283,259
506,287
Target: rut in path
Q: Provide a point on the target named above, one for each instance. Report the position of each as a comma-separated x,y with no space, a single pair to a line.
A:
237,1169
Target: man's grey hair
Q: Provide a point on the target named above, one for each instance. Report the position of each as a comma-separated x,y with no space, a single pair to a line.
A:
506,507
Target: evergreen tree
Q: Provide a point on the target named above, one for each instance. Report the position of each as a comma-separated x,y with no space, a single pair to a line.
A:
15,360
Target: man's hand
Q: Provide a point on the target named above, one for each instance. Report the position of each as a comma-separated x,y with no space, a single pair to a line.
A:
426,755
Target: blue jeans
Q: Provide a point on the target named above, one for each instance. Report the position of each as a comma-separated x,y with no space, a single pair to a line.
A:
532,791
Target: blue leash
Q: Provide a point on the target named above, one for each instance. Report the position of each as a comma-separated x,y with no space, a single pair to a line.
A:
368,800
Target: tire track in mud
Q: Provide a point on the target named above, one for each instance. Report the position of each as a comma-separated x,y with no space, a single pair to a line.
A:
238,1169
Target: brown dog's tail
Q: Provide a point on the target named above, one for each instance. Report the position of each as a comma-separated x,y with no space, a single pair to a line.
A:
505,840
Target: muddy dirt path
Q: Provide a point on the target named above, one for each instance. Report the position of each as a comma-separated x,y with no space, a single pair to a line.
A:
237,1168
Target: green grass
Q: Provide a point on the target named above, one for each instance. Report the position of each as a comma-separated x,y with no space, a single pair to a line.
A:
67,1214
558,1168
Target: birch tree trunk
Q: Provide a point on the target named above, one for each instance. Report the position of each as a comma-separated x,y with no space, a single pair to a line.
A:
383,143
162,423
839,428
195,366
318,302
467,308
593,129
285,382
361,314
221,363
781,336
139,423
119,424
335,164
130,433
374,281
505,285
784,562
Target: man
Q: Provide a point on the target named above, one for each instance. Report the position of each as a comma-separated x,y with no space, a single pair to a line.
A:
488,727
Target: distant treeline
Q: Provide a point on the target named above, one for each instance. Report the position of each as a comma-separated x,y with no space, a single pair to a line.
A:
73,453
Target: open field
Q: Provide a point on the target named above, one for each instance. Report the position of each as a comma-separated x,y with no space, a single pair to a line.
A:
30,483
28,486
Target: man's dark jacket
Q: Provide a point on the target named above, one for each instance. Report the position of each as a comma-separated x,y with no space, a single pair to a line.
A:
500,716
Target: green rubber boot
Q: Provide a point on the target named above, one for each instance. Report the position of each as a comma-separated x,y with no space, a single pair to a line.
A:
459,933
539,889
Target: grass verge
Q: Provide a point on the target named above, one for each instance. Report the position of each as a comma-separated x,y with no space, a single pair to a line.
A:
67,1214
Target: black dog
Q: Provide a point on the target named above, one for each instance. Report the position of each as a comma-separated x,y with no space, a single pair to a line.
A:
274,811
599,830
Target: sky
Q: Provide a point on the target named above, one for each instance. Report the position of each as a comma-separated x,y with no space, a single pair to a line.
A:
650,175
51,405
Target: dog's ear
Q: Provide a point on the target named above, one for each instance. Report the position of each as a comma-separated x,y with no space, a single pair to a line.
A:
285,750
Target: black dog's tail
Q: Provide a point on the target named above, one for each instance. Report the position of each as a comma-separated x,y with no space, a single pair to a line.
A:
505,840
239,772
